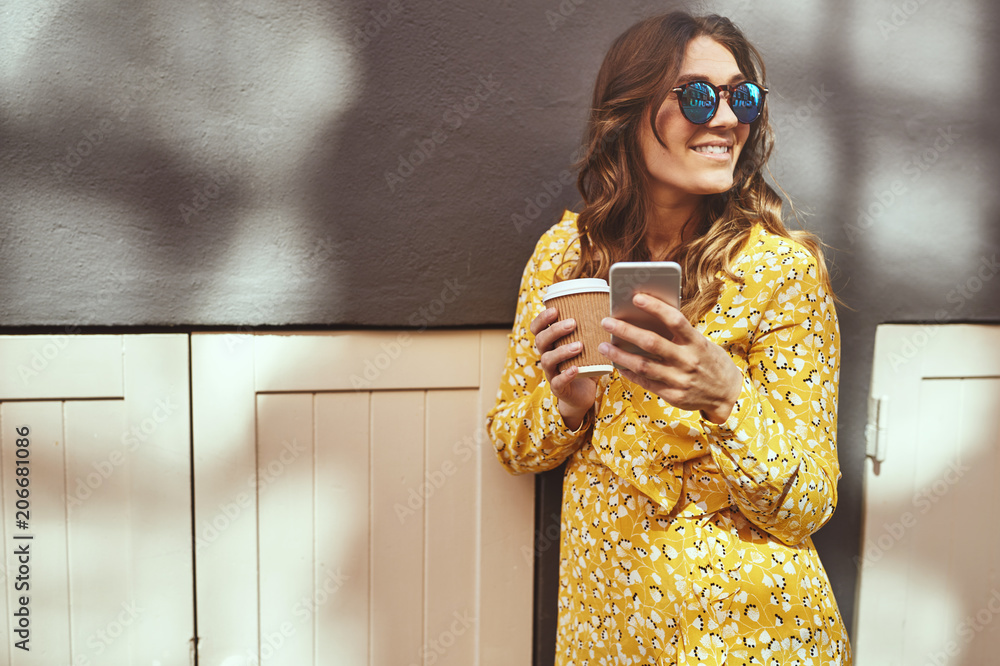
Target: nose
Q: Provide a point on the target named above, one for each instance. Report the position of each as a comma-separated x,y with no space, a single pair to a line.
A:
724,116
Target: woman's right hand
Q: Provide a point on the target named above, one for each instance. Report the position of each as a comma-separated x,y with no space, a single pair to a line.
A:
575,394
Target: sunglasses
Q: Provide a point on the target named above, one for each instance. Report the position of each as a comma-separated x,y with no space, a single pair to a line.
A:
699,100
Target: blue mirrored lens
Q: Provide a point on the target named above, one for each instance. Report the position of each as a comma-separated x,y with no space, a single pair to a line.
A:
699,102
746,100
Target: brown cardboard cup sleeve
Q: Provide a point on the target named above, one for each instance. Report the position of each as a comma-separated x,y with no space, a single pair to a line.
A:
588,301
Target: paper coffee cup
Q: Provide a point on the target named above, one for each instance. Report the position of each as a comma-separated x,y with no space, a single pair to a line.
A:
588,301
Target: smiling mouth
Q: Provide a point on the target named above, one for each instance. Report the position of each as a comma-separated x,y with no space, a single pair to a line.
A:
712,150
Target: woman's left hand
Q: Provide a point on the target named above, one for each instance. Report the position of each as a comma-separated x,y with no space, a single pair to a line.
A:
690,371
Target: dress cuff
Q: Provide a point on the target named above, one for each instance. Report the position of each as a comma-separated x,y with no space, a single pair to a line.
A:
741,410
555,427
588,420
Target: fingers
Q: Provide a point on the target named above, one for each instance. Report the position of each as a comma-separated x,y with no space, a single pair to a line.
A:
676,323
548,333
561,382
635,364
576,394
678,331
645,382
640,337
543,320
672,359
650,374
551,359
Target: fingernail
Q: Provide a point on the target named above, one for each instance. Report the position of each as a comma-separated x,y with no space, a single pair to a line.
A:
639,299
604,348
606,323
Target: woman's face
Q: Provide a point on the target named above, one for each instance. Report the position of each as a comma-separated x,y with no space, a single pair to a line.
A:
696,159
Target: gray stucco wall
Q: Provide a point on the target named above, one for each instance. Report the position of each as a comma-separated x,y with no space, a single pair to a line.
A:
392,163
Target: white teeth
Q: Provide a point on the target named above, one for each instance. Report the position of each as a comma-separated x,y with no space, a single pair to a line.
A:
718,150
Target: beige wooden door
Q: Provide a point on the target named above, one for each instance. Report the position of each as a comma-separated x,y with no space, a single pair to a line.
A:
97,540
348,506
930,565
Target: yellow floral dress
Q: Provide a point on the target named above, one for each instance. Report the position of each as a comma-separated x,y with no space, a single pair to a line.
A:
683,541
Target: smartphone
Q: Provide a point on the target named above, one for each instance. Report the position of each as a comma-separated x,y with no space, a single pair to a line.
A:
661,279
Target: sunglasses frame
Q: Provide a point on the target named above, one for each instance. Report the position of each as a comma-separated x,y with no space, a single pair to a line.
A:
718,90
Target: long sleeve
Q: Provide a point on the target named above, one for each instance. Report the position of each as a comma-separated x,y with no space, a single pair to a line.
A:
683,539
639,437
775,457
525,426
777,450
646,442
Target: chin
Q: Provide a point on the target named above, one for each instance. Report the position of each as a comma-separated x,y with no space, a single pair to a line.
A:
717,186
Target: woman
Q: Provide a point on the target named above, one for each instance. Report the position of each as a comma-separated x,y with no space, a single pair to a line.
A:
695,479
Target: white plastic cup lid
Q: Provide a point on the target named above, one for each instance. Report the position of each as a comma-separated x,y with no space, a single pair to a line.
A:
578,286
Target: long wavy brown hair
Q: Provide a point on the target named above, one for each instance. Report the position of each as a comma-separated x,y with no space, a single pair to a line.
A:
637,75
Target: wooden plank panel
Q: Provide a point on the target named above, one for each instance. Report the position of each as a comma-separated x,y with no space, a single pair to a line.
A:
397,524
341,605
6,577
60,366
225,473
368,360
897,375
932,603
157,444
285,523
44,583
880,620
506,534
104,608
977,524
930,576
937,347
397,536
451,504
